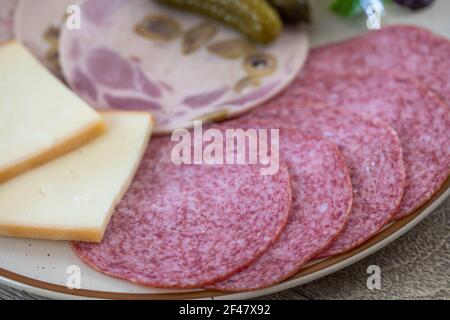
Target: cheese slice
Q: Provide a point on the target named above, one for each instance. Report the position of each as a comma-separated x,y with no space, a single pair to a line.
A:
40,118
73,197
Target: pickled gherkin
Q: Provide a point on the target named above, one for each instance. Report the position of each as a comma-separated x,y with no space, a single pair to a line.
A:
254,18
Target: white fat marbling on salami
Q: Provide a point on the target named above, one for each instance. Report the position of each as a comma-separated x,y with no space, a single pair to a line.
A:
111,65
38,24
420,117
7,19
372,151
402,48
321,202
186,226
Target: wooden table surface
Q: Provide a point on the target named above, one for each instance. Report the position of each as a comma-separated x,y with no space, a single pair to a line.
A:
415,266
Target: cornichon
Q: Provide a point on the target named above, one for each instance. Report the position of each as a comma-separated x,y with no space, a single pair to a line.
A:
254,18
292,11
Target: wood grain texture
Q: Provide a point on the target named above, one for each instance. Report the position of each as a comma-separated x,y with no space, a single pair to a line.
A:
415,266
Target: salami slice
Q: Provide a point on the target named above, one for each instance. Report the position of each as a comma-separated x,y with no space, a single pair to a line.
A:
6,19
421,119
187,226
371,150
402,48
321,202
141,55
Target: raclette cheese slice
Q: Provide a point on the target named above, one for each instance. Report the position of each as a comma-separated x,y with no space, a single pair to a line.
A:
40,118
73,197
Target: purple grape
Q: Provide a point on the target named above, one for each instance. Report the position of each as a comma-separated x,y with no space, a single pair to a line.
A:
415,4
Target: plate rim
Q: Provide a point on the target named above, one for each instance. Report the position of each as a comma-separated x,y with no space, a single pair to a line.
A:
309,273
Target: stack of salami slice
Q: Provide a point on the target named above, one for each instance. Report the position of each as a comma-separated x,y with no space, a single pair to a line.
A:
365,136
364,140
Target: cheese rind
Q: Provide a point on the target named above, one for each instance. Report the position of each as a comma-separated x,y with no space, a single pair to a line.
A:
73,197
40,118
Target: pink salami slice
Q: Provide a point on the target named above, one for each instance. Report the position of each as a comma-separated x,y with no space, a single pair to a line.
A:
141,55
7,19
421,119
321,202
186,226
38,25
371,150
409,49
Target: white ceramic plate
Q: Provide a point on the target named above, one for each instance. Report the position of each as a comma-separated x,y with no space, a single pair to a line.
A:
41,267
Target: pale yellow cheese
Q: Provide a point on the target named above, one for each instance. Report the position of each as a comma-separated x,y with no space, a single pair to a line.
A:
73,197
40,118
